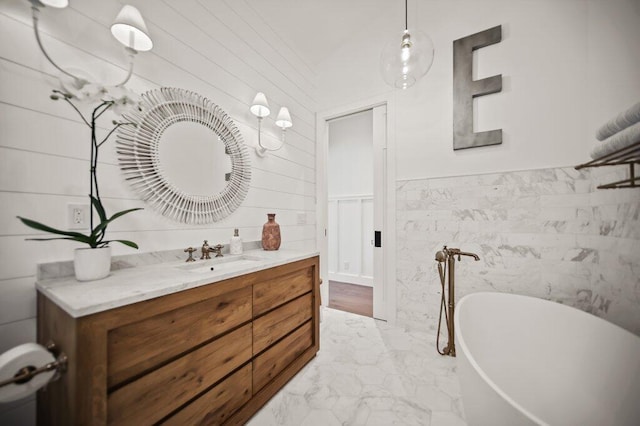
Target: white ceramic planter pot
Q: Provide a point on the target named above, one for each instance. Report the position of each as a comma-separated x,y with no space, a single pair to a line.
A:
92,263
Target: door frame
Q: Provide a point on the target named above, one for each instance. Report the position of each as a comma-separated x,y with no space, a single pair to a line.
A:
386,310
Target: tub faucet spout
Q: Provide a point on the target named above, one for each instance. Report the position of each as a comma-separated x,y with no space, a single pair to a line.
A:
464,253
458,252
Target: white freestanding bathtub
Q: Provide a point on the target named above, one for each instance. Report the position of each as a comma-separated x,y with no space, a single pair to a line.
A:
528,361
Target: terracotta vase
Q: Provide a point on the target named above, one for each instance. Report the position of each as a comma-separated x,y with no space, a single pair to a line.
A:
271,233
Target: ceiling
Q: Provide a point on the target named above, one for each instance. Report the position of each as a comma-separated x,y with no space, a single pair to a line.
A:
314,29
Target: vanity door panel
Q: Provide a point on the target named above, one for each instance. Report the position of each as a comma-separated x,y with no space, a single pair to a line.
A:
156,395
269,364
216,405
278,323
140,346
276,291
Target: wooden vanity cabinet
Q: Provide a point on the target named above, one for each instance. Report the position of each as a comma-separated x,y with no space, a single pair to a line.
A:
213,354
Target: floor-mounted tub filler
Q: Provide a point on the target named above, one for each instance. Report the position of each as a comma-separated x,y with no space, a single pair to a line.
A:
446,259
528,361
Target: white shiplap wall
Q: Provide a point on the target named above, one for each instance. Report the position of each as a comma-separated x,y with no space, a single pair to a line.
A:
221,49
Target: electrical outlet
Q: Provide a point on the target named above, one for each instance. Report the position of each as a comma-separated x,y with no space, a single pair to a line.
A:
302,218
77,216
346,266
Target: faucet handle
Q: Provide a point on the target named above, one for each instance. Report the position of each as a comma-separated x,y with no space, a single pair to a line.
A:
190,250
218,250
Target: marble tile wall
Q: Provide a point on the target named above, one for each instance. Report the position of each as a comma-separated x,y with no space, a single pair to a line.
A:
547,233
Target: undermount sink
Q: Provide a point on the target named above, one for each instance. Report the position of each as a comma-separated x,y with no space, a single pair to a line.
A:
221,264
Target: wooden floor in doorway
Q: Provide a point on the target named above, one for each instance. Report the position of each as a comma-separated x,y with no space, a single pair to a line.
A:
357,299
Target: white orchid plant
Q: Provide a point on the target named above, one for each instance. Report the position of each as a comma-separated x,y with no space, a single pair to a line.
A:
114,98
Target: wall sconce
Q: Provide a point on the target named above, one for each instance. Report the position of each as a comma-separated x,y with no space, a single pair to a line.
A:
128,28
260,108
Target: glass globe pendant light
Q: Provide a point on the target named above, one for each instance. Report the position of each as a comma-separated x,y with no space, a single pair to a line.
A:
405,60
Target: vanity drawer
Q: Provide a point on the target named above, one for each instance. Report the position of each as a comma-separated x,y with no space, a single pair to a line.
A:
278,323
279,356
274,292
135,348
155,395
215,406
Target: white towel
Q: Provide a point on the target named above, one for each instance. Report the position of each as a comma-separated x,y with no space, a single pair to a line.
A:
620,140
621,122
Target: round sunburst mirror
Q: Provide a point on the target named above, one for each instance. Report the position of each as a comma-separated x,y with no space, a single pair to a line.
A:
185,157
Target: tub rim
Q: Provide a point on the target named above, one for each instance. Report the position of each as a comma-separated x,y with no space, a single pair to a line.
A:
461,342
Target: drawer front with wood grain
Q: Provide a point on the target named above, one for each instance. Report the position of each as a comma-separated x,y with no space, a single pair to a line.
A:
267,365
136,348
156,395
279,290
276,324
217,404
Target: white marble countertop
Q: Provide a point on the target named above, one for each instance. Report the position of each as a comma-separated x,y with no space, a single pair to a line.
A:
130,285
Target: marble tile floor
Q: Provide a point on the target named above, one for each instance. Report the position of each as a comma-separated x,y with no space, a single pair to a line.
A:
369,373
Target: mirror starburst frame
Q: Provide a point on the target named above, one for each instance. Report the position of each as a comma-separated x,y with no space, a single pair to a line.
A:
138,156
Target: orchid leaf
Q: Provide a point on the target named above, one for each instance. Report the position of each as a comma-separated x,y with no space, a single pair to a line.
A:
122,213
103,225
59,238
42,227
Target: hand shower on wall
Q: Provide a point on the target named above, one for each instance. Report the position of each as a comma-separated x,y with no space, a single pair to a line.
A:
447,256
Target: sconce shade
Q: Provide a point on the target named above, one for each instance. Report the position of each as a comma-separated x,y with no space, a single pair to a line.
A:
129,29
284,118
260,106
55,3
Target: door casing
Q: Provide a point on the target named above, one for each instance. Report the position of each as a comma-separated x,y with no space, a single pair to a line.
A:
384,303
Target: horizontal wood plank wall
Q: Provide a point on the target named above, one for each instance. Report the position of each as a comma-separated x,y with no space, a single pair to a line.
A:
221,49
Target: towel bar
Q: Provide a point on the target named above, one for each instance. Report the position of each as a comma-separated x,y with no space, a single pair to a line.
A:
629,155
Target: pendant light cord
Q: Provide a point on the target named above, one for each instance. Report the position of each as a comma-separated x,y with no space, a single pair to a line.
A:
406,20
